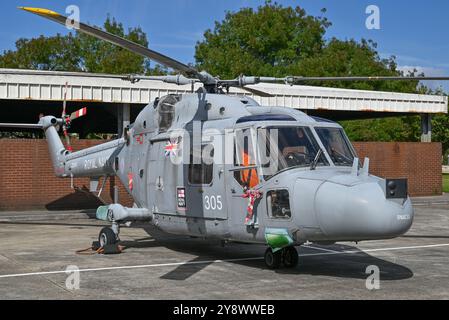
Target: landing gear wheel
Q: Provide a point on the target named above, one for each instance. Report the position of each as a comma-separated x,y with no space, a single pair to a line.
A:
273,259
290,255
107,236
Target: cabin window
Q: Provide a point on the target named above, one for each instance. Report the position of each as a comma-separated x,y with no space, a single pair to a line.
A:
201,173
166,112
278,203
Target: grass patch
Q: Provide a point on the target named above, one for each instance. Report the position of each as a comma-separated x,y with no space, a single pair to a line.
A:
445,182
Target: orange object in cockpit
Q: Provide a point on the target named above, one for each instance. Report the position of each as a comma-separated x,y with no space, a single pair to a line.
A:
249,176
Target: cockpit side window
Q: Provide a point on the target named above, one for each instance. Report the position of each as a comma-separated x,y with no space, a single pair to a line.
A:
278,203
245,156
290,147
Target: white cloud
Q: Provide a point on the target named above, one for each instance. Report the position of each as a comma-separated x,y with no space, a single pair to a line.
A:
428,72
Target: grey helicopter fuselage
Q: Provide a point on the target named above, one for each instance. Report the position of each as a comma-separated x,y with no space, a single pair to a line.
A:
315,192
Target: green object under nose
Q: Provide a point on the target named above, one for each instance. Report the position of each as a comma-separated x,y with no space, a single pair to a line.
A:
277,238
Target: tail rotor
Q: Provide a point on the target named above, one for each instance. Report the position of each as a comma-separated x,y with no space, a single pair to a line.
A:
67,119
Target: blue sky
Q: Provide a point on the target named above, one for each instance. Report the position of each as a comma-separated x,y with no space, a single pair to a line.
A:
415,32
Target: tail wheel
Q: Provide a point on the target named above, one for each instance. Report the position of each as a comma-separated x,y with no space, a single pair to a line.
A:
107,236
290,255
273,259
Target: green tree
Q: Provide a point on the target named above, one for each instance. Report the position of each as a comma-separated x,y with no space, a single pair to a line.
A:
280,41
80,52
277,41
268,41
352,58
102,57
440,131
57,53
384,129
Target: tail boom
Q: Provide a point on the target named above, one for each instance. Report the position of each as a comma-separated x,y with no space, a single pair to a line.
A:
95,161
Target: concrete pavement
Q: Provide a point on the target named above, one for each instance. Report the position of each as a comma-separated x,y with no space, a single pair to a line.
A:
35,253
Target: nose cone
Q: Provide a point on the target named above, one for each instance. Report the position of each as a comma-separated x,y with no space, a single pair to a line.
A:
360,212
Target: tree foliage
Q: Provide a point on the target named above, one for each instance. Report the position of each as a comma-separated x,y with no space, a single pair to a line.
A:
102,57
80,52
386,129
352,58
55,53
267,41
278,41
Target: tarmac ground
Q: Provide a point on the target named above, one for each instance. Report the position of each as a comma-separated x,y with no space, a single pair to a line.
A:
37,247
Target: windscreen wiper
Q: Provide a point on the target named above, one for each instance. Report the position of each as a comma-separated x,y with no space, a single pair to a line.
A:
315,160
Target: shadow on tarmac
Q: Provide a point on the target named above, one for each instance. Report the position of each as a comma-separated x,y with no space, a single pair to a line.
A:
311,261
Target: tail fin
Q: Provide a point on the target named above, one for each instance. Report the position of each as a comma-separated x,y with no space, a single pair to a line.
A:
57,150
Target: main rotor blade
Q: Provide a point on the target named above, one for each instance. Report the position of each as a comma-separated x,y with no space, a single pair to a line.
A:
375,78
258,92
119,41
242,81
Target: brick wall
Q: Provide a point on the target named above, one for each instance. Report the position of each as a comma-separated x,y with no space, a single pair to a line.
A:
27,180
420,163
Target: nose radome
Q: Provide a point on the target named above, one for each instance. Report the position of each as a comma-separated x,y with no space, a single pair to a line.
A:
360,212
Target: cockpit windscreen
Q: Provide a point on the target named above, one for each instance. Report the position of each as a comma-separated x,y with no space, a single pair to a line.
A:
337,145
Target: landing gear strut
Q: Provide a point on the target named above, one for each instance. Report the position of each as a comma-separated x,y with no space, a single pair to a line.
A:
288,256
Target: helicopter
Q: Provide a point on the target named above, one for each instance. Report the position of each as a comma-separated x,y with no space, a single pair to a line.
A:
211,165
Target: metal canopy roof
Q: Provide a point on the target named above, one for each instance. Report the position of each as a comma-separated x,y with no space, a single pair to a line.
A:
49,86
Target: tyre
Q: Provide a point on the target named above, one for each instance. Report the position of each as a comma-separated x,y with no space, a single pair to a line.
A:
107,237
272,259
291,258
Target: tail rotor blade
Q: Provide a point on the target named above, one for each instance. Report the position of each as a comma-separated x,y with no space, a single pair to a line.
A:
64,104
77,114
67,139
66,122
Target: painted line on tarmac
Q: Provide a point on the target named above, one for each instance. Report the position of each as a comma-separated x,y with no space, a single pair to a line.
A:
129,267
321,249
433,203
218,261
375,250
